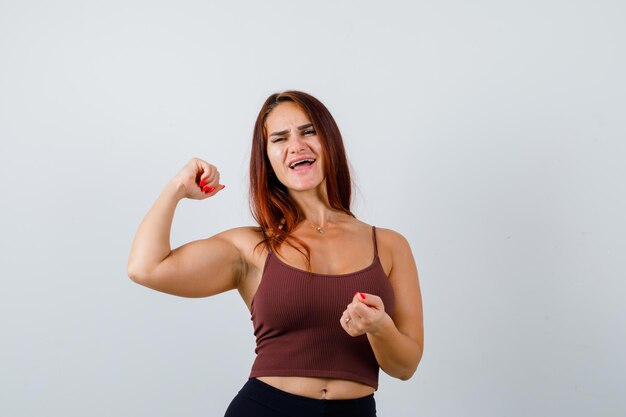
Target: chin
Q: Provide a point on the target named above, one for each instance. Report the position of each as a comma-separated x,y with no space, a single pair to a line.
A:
306,186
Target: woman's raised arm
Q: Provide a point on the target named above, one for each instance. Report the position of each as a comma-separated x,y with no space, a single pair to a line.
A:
196,269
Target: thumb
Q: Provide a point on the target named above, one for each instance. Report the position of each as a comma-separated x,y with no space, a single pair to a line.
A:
211,191
369,300
359,297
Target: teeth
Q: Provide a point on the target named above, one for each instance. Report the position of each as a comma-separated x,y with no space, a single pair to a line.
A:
293,164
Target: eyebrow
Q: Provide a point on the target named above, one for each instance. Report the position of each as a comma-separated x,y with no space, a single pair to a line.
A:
282,132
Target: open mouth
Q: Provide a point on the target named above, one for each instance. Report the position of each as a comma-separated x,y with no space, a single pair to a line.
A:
302,163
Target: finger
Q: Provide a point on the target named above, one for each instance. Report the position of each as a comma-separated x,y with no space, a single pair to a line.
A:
352,311
358,296
372,301
347,318
343,321
200,166
213,178
209,172
202,181
211,191
204,171
346,322
362,311
210,177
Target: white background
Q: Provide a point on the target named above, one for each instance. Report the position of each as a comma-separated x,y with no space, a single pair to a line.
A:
491,134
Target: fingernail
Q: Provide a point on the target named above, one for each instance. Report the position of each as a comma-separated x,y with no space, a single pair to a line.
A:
205,188
203,183
223,186
210,190
362,295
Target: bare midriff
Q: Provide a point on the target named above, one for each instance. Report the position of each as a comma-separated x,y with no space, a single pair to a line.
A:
319,388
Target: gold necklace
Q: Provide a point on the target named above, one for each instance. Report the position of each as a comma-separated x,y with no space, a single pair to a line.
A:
319,229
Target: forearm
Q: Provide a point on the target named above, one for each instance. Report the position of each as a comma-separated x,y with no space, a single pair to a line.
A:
152,240
397,354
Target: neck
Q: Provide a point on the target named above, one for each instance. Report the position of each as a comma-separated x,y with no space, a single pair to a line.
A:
315,206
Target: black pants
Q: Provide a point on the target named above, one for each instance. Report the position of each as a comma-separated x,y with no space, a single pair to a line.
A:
258,399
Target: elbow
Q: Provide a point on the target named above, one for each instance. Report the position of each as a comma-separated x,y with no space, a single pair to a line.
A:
408,374
132,274
135,274
408,371
404,374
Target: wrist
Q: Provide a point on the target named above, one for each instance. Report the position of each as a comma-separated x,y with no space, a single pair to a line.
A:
177,190
385,326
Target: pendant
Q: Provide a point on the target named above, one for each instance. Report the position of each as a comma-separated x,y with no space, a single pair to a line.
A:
318,228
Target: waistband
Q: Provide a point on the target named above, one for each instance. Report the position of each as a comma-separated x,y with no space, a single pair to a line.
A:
287,402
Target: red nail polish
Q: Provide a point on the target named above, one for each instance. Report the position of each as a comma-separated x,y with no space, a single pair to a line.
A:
362,295
205,188
203,183
210,190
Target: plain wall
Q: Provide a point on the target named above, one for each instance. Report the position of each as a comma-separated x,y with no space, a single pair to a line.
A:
490,134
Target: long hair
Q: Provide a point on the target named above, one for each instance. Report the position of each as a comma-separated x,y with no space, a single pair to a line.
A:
270,203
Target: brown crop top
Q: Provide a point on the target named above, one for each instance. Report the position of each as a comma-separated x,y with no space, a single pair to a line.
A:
296,322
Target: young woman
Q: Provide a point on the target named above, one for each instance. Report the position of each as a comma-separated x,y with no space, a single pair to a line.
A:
332,299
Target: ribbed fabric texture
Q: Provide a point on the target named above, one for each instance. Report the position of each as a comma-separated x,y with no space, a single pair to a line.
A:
296,322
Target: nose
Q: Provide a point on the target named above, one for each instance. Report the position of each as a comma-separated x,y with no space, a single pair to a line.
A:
297,145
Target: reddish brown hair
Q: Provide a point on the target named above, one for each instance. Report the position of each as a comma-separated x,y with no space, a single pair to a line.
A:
270,203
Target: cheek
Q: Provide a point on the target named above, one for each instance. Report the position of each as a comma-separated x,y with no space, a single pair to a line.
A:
319,150
274,158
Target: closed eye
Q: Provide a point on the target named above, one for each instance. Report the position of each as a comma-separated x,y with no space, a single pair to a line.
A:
276,140
309,132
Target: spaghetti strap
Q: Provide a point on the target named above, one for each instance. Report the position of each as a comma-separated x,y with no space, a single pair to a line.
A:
375,245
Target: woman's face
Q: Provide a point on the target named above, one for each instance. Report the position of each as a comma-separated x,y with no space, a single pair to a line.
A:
293,148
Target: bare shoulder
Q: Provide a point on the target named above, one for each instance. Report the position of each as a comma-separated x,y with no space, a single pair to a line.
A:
247,240
390,237
394,249
242,237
